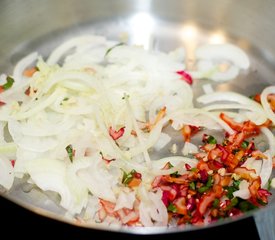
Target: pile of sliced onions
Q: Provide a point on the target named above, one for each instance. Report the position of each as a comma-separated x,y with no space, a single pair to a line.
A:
89,85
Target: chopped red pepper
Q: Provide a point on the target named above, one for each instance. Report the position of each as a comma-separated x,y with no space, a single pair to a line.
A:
206,190
116,134
188,131
106,159
12,162
205,201
185,76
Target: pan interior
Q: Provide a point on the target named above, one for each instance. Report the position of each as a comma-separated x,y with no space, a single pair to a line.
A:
152,33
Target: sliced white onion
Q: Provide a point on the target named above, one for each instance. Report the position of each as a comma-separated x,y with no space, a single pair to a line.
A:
207,88
76,186
255,114
49,175
189,148
22,65
98,179
270,138
164,139
152,211
228,97
224,51
266,170
35,107
265,103
6,173
125,200
174,160
57,53
243,191
252,163
190,117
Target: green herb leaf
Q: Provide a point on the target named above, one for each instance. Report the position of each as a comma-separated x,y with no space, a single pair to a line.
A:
269,184
192,185
209,182
244,144
8,84
127,177
175,174
170,165
211,140
111,48
203,189
233,188
233,203
215,203
207,186
245,206
236,184
69,150
172,208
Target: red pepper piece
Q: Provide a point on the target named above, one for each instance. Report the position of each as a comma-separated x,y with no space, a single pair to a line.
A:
116,134
185,76
205,202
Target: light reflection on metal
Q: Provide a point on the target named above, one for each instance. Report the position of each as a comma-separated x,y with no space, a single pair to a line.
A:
189,34
142,25
217,37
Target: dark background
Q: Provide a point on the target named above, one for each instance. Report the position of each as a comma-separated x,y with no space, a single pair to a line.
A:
19,222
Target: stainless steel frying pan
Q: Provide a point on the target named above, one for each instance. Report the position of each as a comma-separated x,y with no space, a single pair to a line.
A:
29,25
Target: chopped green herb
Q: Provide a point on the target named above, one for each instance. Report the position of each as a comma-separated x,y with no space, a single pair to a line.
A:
244,144
233,188
233,203
70,151
175,174
111,48
125,96
211,140
209,182
192,185
64,100
8,84
203,189
216,203
207,186
172,208
236,184
127,177
170,165
246,206
269,184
